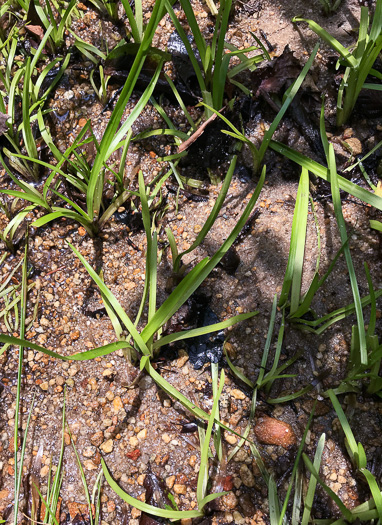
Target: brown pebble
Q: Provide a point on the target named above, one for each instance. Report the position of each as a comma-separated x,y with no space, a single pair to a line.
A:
230,501
180,489
274,432
97,438
75,335
107,446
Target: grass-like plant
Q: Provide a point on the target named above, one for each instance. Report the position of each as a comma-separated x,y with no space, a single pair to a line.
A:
48,18
330,6
370,510
90,180
258,153
359,62
32,97
212,65
107,7
100,91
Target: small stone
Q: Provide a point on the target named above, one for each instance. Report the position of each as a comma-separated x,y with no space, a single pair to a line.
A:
88,452
93,383
181,361
134,441
97,438
142,434
237,394
44,471
75,335
180,489
117,404
230,438
82,123
44,386
107,446
355,145
238,518
73,371
170,481
274,432
110,506
109,395
90,465
146,382
70,382
4,494
246,476
166,438
230,501
135,513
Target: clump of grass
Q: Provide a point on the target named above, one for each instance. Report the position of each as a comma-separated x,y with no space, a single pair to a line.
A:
258,153
359,62
32,100
330,6
211,62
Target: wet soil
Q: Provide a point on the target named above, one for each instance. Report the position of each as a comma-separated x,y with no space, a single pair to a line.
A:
141,433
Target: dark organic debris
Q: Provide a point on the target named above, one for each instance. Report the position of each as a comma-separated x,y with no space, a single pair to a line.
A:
276,74
230,261
212,148
185,73
157,495
187,143
206,348
118,64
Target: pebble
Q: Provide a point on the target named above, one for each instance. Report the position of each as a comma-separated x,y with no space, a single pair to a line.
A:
90,465
230,438
135,513
230,501
97,438
355,145
142,434
145,383
44,386
238,394
166,438
107,446
44,471
88,452
117,404
73,371
170,481
246,476
134,441
180,489
274,432
238,518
